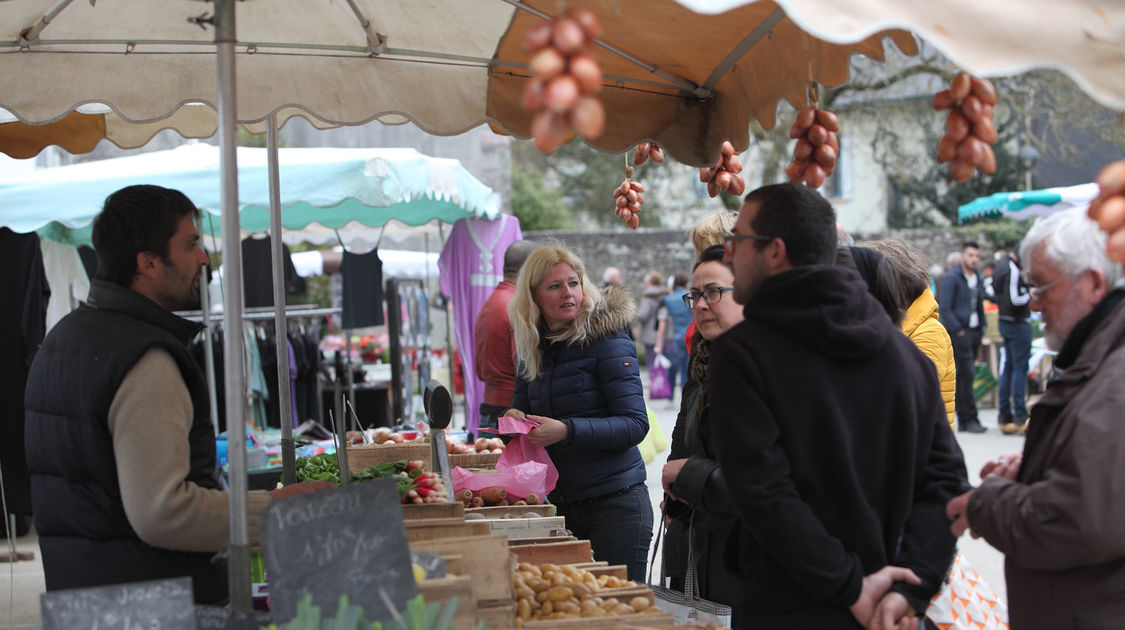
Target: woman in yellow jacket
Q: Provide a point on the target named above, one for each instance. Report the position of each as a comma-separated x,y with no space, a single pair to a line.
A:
921,320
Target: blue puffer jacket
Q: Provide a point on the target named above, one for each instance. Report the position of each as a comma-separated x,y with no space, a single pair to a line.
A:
595,386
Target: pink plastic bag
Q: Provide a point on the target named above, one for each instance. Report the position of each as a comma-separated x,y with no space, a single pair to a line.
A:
523,469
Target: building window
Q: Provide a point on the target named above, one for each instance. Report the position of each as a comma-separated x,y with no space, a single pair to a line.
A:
839,184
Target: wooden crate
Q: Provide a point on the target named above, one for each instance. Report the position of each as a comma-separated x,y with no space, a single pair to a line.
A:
619,571
645,620
484,558
541,541
512,511
520,528
568,552
454,563
414,511
499,616
461,587
430,528
360,457
474,460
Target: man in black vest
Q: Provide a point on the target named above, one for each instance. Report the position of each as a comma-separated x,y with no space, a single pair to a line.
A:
961,304
119,441
1013,299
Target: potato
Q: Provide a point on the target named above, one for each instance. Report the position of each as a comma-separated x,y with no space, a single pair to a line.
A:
559,593
523,610
639,602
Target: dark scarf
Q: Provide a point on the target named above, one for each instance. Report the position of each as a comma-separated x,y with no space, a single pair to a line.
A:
1085,327
697,368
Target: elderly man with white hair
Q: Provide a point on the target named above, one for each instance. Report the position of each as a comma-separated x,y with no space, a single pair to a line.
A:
1057,512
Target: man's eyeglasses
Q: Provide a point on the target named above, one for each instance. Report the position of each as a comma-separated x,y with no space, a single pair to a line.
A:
730,239
710,295
1037,292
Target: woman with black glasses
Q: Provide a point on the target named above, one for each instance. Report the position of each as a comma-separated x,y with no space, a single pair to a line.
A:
695,494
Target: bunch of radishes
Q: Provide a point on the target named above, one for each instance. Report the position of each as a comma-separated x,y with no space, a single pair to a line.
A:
564,78
424,487
814,157
724,175
969,132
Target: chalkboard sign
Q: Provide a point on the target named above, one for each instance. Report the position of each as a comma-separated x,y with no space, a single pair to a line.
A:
343,541
155,605
215,618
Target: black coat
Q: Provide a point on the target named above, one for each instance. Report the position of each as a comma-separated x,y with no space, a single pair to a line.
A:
84,534
835,446
703,503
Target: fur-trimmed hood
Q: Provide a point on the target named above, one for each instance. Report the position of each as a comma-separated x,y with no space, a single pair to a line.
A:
615,311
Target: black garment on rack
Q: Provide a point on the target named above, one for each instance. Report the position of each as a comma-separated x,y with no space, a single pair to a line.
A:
257,272
362,278
23,323
195,348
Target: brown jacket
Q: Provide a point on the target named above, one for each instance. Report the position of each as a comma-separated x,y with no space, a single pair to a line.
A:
1061,525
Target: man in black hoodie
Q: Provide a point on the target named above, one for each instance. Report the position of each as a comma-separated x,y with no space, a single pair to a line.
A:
831,432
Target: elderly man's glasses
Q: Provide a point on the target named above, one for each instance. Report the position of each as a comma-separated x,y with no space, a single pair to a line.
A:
1037,292
710,295
730,239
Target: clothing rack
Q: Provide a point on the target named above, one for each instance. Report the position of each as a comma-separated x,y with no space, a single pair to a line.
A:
265,313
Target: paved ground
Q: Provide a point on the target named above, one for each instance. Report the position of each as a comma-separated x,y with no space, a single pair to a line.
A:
21,583
978,449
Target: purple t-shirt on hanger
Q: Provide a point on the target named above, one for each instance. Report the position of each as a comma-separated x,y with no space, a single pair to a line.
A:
471,265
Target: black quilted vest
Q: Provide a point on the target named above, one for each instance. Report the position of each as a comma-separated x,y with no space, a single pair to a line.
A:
84,536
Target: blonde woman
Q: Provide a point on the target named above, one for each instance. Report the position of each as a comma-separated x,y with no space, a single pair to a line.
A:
577,378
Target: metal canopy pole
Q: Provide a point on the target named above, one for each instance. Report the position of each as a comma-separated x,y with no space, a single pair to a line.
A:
280,321
233,340
208,336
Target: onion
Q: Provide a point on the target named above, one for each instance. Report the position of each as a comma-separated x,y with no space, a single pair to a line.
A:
657,154
828,119
1110,213
547,64
728,148
567,36
550,131
815,175
983,90
737,185
589,22
585,69
805,118
985,131
588,117
960,170
723,179
732,164
960,87
971,108
537,37
803,150
561,94
956,126
969,150
817,135
826,156
942,100
532,95
987,164
946,149
794,170
707,174
1111,179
